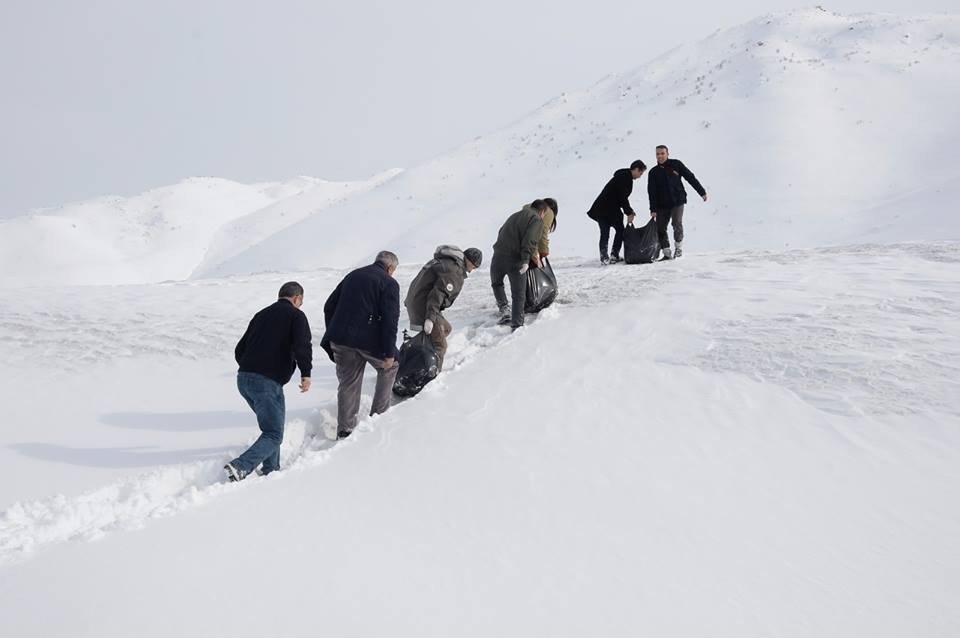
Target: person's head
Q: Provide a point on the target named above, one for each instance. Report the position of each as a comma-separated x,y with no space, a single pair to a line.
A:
637,168
293,292
662,154
472,257
388,260
540,206
552,205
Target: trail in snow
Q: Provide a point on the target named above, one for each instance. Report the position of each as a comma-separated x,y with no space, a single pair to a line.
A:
130,503
853,331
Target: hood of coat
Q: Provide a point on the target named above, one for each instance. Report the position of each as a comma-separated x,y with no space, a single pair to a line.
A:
449,251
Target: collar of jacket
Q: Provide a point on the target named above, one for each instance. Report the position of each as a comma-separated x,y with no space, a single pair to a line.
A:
382,266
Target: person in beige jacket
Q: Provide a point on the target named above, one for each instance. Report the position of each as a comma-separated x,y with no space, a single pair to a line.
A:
549,225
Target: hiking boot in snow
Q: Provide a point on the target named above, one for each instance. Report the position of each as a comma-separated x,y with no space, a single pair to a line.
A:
678,250
342,434
614,258
505,315
666,254
604,261
234,473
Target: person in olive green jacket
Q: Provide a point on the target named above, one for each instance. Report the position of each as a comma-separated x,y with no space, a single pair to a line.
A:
515,250
435,289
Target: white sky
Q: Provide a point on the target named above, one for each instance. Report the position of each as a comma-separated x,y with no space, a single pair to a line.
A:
118,96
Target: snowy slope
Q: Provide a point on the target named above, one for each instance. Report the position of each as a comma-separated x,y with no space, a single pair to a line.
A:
166,233
730,445
799,124
738,443
802,126
237,236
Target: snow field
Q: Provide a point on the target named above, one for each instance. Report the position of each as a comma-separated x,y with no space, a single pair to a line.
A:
751,443
587,474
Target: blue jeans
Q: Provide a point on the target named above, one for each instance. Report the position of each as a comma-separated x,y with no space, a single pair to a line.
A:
265,397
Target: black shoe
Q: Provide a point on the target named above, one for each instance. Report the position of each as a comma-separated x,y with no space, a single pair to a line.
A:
505,316
604,261
677,252
342,434
614,259
234,473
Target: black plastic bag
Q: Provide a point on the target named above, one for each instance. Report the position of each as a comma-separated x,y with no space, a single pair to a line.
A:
641,245
419,365
541,287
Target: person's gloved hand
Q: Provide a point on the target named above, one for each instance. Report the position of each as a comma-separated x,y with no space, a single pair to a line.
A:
523,269
428,326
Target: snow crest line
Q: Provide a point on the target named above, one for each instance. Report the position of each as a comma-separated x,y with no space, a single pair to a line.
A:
128,504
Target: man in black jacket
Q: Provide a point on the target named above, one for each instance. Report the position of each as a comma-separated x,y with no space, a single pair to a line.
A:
361,315
611,205
277,340
515,250
667,197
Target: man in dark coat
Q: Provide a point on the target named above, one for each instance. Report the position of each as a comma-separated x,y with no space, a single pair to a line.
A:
361,316
668,196
611,205
277,340
435,289
513,253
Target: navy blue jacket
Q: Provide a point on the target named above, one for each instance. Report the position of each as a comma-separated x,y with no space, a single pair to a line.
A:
613,202
277,339
665,187
363,312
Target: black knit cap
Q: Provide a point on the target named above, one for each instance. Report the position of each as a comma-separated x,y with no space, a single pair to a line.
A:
474,255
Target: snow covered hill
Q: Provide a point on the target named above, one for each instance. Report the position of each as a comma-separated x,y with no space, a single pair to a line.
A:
166,233
729,445
801,125
739,443
808,128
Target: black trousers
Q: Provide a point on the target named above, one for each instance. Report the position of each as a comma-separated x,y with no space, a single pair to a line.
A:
605,226
509,266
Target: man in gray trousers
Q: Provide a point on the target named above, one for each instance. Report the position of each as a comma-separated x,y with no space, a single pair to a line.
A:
361,316
515,249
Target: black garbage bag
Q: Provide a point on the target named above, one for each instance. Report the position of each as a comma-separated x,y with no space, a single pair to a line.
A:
419,365
641,245
541,287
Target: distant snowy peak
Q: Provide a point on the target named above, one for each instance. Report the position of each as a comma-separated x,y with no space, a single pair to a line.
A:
240,234
164,233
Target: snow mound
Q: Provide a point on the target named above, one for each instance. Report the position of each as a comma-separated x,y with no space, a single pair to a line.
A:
163,234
